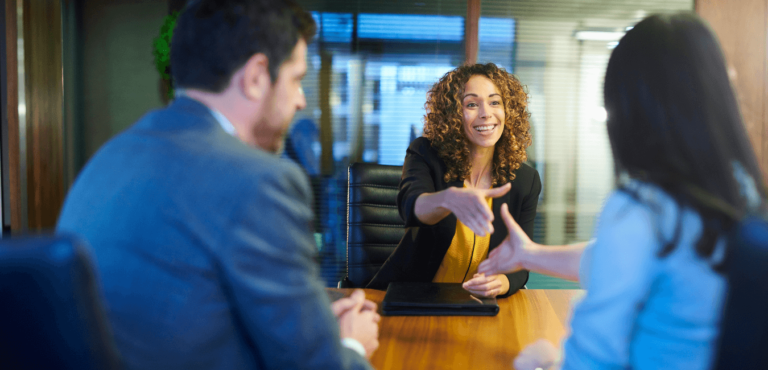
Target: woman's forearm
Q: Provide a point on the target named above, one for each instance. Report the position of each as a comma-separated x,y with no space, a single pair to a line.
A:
429,207
559,261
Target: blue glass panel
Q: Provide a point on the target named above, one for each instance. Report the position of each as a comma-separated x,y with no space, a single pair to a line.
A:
497,30
410,27
497,42
334,27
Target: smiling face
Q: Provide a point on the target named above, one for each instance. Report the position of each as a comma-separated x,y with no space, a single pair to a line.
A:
483,112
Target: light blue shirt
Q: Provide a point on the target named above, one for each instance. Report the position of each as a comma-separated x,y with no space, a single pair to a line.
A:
225,124
642,311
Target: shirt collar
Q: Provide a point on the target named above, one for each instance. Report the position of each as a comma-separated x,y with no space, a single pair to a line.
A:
225,124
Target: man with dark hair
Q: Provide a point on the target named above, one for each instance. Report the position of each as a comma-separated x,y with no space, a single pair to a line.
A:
202,235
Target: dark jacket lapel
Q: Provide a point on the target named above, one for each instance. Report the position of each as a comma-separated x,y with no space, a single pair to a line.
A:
499,228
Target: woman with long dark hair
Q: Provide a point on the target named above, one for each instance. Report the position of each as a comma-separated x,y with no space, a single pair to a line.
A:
653,271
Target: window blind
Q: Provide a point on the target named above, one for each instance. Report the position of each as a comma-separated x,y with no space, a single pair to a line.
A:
561,52
381,57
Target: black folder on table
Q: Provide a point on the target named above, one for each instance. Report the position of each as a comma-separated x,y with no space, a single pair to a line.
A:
435,299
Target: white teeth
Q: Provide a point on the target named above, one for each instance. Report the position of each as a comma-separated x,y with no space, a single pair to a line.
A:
484,128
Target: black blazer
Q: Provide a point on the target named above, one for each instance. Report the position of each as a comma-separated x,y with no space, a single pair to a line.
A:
422,248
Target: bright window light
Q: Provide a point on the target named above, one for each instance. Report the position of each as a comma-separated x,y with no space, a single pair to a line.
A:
598,35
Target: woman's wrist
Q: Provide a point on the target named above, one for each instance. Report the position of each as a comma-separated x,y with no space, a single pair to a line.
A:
445,197
430,208
528,255
504,284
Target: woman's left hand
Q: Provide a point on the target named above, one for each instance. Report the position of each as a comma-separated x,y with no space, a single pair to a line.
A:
489,287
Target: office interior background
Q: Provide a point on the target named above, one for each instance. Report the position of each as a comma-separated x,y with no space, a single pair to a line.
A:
80,71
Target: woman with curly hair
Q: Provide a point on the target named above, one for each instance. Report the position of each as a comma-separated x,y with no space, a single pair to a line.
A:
456,177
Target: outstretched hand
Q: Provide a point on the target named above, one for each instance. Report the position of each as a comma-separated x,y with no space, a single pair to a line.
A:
507,257
470,206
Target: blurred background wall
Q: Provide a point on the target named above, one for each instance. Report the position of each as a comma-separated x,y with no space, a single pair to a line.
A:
369,70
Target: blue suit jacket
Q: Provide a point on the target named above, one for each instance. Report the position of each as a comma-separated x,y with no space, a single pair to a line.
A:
204,249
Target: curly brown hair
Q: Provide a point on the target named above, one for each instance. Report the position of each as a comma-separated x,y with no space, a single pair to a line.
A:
443,123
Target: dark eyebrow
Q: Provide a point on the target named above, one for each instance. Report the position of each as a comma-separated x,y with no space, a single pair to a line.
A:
475,95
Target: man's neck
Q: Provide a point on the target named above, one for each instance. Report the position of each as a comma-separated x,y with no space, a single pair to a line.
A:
215,101
224,104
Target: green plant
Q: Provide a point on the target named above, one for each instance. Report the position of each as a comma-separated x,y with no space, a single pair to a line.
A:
162,49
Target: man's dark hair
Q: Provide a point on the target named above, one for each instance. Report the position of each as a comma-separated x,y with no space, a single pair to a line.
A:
214,38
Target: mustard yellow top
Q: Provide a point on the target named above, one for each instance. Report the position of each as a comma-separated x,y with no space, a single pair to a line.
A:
464,255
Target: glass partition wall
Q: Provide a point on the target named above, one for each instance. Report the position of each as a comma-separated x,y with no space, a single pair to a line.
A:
373,62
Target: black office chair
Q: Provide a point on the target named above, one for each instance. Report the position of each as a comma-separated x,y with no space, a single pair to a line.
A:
50,309
743,342
374,226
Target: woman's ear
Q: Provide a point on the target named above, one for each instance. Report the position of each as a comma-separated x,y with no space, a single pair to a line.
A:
256,81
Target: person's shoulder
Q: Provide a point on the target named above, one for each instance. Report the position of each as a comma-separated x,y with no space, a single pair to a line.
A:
421,145
255,164
250,180
644,194
655,200
526,177
628,226
636,200
527,171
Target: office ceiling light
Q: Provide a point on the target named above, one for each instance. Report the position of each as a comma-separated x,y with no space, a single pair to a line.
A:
598,34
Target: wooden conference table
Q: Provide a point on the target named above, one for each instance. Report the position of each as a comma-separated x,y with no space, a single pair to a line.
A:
471,342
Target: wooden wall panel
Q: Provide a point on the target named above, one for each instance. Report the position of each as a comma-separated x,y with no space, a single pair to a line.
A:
326,115
12,115
741,27
44,101
471,31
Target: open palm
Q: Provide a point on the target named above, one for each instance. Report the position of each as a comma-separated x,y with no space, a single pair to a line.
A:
507,257
470,206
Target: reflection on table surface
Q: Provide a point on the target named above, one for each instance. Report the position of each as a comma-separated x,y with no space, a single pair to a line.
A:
471,342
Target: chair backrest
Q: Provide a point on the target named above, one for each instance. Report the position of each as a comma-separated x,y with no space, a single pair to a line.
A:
374,226
743,342
50,308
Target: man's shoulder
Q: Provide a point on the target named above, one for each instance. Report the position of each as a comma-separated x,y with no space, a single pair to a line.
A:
221,154
191,158
253,162
257,175
269,169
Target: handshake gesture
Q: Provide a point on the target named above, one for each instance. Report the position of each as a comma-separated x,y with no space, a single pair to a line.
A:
510,254
470,206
